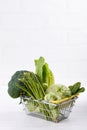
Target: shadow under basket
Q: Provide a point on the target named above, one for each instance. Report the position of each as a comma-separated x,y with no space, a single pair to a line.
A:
48,111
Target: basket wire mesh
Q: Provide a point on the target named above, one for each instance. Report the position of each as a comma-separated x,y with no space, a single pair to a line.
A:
49,111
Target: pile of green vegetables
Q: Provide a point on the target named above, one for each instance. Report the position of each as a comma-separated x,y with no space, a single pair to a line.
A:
40,86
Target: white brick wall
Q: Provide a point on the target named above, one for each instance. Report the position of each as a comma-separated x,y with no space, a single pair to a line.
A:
55,29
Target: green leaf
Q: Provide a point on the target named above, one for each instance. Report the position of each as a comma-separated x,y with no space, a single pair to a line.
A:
44,72
47,75
39,65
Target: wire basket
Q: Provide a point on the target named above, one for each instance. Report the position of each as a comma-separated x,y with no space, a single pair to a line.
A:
49,111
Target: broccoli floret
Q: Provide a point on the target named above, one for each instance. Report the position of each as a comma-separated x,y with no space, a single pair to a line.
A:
13,90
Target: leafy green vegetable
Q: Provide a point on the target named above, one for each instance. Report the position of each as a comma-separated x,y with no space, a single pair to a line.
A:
47,75
76,88
34,87
39,67
82,89
44,72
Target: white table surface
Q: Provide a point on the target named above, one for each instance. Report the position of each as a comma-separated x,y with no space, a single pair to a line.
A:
12,116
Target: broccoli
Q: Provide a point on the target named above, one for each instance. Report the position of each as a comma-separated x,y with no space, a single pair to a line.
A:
13,90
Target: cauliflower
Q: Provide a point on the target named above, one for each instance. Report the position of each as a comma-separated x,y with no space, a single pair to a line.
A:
61,91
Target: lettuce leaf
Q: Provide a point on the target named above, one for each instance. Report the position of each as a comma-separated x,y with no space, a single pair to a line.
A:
44,72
